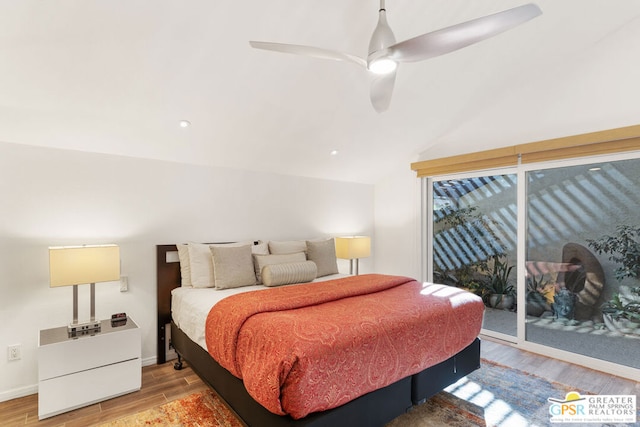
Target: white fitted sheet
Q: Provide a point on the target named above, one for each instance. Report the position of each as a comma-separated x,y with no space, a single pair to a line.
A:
190,306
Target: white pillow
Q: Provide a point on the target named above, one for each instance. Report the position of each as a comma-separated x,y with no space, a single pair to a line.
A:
260,248
260,261
257,246
185,268
233,266
288,273
323,253
201,265
287,247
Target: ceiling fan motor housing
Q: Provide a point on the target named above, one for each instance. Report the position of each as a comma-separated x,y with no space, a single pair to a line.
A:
381,38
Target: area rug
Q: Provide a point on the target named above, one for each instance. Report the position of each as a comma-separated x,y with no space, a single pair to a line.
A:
494,395
203,409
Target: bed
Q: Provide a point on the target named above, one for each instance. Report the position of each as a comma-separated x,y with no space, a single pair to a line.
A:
373,407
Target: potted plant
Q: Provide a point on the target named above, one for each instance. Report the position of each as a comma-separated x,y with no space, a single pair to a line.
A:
476,242
619,313
536,297
496,289
623,249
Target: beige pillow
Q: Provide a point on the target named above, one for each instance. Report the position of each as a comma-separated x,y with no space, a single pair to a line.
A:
233,266
257,247
260,261
200,265
323,253
185,268
288,273
287,247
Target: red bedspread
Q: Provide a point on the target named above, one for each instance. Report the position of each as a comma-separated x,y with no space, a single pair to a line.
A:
312,347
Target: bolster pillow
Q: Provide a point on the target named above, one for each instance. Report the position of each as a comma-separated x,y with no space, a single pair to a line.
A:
288,273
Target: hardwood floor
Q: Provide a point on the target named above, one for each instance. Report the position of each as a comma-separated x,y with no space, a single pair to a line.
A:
556,370
161,384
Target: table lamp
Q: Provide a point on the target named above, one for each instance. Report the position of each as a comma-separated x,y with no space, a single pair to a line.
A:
353,248
77,265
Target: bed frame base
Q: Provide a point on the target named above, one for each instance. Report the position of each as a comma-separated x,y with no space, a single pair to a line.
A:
436,378
373,409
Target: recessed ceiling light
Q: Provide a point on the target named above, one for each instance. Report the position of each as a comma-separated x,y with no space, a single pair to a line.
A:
185,123
595,169
334,152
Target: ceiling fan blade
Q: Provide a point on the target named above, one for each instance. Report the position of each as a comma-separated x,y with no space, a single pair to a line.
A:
382,90
314,52
461,35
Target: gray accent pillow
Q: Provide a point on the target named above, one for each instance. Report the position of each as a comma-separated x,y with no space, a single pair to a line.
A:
323,253
232,266
260,261
289,273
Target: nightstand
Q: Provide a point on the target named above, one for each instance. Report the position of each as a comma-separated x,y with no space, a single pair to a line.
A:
79,371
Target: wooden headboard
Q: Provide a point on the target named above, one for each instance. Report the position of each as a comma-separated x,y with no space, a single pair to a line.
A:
168,278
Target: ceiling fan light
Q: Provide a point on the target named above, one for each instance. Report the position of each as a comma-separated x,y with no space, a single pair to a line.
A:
383,66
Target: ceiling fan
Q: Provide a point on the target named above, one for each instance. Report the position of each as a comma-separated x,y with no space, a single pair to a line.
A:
385,54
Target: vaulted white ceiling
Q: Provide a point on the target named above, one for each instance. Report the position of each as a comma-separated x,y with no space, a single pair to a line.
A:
116,76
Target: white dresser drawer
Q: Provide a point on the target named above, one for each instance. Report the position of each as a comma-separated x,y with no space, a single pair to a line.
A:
75,372
87,352
62,394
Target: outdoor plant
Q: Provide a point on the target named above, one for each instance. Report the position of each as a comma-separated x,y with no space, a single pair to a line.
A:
618,308
623,248
536,296
497,281
536,283
475,243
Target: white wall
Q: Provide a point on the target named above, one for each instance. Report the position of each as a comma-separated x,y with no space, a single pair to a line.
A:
58,197
397,224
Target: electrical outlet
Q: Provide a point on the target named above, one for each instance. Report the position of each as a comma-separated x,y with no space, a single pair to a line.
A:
13,352
124,283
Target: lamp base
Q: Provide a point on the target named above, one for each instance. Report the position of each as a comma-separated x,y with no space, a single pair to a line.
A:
353,262
86,328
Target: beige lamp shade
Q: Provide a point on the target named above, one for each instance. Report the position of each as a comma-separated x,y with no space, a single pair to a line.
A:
77,265
353,247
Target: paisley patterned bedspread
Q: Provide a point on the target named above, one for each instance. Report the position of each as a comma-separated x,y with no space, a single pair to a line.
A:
312,347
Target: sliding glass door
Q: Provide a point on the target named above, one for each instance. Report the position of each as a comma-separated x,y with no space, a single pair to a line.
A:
583,259
474,223
553,250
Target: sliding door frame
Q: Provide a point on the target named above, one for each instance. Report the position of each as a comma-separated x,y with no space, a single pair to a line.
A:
521,171
428,235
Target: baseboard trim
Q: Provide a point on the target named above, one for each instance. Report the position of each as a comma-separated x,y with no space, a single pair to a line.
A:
18,392
148,361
